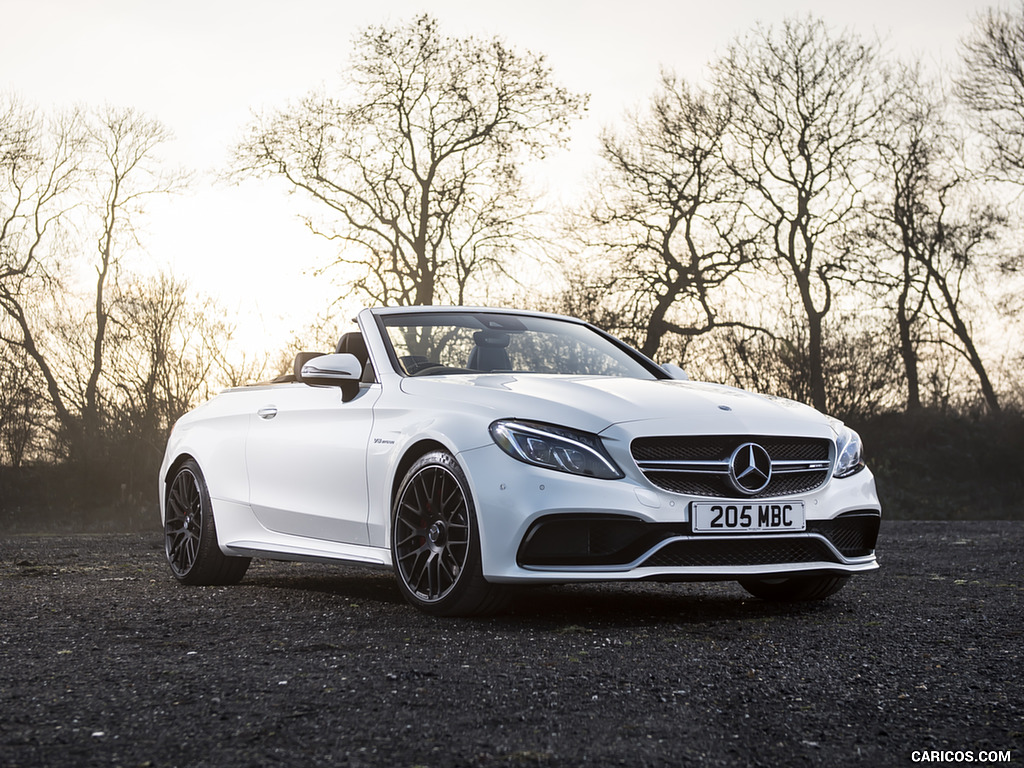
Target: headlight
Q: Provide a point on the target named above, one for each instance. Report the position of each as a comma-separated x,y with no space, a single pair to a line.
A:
564,450
849,452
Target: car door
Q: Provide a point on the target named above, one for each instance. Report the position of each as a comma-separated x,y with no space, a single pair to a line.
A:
306,461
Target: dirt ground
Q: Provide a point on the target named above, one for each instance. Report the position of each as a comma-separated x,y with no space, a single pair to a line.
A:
106,661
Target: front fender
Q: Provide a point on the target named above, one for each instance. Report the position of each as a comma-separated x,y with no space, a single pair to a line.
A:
214,435
397,439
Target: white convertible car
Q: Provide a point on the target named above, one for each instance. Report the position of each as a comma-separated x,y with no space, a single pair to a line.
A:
475,449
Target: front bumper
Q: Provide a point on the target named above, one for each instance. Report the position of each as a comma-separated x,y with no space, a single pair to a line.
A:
542,526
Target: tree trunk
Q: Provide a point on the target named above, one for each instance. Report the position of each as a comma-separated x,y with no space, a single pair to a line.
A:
909,355
815,357
656,327
963,333
908,351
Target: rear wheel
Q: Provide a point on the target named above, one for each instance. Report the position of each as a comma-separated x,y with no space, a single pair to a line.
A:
190,533
435,541
795,588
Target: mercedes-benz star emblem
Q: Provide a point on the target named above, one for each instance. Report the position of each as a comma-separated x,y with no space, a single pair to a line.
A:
750,469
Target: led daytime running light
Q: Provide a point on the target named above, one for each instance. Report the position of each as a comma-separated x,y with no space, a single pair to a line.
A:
563,450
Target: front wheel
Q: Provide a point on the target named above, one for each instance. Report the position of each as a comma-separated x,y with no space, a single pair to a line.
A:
190,534
435,541
795,588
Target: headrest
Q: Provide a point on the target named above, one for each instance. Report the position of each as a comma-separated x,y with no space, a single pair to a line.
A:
353,343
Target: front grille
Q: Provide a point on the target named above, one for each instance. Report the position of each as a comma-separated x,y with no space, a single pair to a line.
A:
719,553
699,465
589,540
854,534
610,540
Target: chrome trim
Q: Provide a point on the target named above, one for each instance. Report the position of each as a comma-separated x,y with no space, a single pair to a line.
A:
722,467
750,462
841,560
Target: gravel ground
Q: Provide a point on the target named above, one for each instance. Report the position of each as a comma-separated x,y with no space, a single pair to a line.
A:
106,661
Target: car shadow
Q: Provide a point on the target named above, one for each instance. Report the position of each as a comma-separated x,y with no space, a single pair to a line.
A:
348,583
616,605
551,607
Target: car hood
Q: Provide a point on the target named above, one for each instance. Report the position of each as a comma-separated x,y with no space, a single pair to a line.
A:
596,403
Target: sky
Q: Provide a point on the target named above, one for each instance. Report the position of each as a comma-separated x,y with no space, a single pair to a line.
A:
204,67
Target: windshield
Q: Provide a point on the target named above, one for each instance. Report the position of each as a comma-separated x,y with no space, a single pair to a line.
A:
435,344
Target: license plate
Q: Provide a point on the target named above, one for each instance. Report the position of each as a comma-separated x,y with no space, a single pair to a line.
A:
745,517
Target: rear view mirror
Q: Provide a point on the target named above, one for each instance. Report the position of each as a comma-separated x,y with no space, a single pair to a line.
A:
675,371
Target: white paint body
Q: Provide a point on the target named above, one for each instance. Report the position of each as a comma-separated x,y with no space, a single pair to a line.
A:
316,479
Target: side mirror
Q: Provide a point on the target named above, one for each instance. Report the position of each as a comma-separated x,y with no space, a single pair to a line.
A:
675,372
337,370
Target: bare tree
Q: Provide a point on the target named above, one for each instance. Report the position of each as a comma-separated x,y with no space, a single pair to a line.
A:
85,172
124,143
952,249
805,103
416,169
21,409
164,354
910,148
991,84
931,231
166,351
42,166
664,210
862,374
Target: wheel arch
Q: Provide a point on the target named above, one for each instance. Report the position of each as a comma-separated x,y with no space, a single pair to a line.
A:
175,465
412,454
167,477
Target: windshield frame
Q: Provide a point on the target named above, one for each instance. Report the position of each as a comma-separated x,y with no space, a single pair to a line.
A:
386,318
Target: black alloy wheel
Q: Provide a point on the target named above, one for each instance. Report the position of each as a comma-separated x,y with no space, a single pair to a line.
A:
190,534
435,543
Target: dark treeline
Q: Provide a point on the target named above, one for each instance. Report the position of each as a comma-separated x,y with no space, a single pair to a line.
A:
818,220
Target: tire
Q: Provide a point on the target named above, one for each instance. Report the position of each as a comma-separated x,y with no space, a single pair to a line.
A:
190,533
795,588
435,542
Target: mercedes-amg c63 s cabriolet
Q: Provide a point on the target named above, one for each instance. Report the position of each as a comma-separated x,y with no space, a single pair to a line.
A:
471,450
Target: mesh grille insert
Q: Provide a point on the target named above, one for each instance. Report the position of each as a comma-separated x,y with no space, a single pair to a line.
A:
695,553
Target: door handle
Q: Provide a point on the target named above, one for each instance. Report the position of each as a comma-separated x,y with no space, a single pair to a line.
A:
267,412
